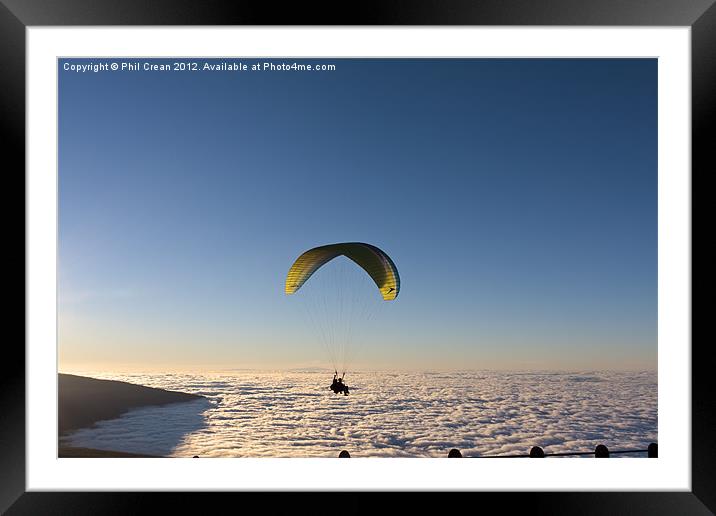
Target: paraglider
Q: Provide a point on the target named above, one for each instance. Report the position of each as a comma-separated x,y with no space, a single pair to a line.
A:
338,386
335,333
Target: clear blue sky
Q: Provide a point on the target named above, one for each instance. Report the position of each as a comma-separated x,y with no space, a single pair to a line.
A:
518,199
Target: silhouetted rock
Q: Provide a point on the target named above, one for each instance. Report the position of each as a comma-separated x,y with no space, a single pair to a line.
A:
601,452
454,454
653,451
344,455
536,452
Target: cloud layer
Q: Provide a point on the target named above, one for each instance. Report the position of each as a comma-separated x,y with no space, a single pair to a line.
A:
294,414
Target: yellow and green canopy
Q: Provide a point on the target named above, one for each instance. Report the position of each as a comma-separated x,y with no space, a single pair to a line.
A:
375,262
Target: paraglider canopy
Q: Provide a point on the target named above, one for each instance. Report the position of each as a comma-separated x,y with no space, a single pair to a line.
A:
375,262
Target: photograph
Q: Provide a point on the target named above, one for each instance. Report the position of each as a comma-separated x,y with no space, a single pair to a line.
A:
267,257
280,238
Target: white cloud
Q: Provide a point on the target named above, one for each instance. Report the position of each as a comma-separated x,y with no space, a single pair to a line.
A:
256,414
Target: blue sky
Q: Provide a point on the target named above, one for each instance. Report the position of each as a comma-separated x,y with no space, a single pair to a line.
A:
518,199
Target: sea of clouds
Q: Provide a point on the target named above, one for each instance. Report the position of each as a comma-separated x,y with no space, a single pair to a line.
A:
294,414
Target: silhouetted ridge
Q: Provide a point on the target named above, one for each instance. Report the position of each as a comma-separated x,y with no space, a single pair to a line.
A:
83,401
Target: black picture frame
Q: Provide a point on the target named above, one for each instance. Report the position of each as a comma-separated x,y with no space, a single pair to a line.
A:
17,15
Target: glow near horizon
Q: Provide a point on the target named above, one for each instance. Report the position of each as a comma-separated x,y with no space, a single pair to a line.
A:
532,183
